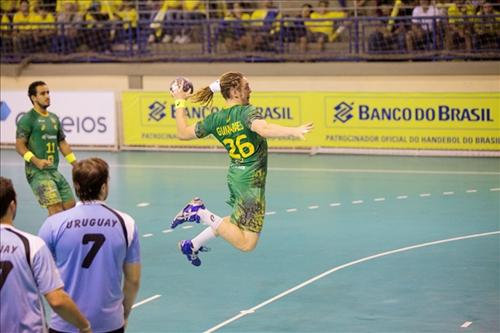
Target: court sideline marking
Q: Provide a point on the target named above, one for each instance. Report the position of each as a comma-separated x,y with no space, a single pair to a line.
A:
147,300
347,170
338,268
335,204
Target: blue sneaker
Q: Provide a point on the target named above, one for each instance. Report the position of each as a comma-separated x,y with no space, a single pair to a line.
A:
188,213
186,247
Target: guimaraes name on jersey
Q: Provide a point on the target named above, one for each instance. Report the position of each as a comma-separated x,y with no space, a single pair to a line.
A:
77,223
229,129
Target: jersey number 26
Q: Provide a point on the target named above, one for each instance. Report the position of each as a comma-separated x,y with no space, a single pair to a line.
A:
239,149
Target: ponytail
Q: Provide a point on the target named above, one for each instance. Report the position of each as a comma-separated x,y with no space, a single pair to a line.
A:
229,80
204,96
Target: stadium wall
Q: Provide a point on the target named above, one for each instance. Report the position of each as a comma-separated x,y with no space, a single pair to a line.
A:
386,77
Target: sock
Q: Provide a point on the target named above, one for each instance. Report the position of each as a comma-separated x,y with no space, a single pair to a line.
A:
202,238
210,219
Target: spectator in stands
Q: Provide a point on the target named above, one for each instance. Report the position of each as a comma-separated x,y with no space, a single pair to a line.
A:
128,16
233,28
295,29
487,28
442,7
97,32
81,6
22,28
218,9
8,7
322,27
300,30
423,28
44,29
193,12
459,30
389,34
69,25
264,27
5,35
364,8
166,24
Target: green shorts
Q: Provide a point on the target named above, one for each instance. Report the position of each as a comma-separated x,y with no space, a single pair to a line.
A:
50,187
248,202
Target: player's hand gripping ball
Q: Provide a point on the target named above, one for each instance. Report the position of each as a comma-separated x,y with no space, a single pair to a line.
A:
181,83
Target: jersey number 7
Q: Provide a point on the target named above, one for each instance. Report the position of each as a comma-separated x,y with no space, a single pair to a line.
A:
98,240
5,268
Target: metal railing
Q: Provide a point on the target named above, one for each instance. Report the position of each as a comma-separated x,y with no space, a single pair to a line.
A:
285,39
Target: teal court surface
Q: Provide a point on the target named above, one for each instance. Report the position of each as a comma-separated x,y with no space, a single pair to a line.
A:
350,243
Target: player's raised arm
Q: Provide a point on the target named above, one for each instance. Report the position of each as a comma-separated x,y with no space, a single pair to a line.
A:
181,89
267,130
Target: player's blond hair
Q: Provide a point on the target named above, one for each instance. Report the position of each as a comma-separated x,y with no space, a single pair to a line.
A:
227,81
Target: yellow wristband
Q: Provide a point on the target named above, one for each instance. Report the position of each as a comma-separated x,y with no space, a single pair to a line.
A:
70,158
28,156
180,103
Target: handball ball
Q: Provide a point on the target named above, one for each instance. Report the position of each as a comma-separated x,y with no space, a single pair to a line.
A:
181,83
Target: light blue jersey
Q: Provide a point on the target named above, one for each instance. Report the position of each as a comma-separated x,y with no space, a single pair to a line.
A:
90,244
27,271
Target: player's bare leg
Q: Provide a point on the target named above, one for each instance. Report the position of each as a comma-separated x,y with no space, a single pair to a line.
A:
243,240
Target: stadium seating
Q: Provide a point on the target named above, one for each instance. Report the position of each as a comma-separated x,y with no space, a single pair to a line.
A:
126,36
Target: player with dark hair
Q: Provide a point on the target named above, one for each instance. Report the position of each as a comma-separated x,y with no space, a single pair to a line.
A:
96,249
243,132
39,137
27,270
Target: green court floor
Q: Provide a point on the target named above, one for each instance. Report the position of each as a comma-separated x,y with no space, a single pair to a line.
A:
350,243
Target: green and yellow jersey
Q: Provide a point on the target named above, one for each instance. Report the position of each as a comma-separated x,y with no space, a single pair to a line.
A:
247,149
43,134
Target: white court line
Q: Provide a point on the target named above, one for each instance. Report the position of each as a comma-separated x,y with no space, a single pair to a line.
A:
215,167
290,210
402,197
335,204
338,268
313,207
471,191
166,231
448,193
356,202
152,298
466,324
425,195
270,213
187,227
379,199
147,235
143,204
495,189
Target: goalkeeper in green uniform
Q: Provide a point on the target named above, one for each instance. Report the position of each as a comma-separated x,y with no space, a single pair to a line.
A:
243,132
39,137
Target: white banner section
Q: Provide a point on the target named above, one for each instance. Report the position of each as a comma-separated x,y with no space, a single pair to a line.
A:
87,118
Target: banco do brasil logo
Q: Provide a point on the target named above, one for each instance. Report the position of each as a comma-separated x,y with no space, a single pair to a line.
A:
157,111
342,112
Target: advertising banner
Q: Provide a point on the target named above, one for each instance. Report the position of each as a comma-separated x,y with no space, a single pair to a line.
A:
87,118
423,121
